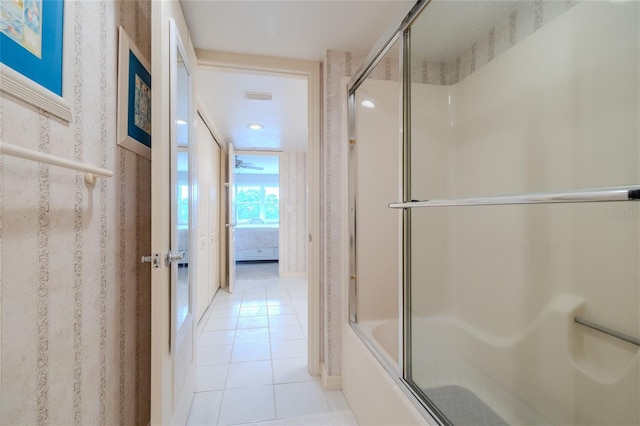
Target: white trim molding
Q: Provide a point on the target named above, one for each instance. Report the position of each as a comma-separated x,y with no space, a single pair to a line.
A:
330,382
19,86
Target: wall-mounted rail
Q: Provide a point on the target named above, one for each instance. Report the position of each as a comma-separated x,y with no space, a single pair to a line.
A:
608,331
627,193
90,171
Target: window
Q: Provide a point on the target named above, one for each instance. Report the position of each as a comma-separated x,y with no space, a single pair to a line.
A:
257,204
183,206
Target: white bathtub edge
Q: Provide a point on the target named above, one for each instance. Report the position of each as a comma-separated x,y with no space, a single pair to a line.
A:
373,396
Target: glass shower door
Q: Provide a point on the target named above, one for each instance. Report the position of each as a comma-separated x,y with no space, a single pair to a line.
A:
523,313
375,181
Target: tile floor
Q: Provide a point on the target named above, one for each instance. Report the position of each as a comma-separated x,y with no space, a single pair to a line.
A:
252,357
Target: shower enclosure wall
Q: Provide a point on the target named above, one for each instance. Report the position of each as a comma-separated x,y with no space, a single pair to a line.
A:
490,303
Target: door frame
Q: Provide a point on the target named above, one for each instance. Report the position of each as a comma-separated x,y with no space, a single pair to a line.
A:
310,70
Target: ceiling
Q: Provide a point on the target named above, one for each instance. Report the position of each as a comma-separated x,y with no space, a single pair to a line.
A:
283,118
299,29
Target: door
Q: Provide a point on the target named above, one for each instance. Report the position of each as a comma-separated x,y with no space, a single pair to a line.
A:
172,330
208,218
214,222
231,215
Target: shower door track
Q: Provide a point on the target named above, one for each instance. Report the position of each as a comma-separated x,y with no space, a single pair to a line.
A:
627,193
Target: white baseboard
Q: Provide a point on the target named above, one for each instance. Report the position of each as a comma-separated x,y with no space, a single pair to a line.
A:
329,382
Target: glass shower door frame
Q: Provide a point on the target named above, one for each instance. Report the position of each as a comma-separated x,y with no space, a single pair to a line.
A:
401,35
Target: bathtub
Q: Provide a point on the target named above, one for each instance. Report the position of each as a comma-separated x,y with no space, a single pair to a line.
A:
371,383
565,381
384,336
566,374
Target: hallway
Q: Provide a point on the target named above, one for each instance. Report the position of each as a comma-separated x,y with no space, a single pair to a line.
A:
252,357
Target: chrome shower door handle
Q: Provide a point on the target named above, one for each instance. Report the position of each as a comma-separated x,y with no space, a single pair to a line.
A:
170,257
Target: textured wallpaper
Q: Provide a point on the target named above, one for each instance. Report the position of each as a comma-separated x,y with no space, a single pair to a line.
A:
293,217
337,65
75,301
526,18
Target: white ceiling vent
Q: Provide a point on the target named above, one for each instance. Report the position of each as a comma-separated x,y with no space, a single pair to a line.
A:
259,96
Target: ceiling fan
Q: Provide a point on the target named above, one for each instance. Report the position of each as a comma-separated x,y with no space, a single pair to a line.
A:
246,165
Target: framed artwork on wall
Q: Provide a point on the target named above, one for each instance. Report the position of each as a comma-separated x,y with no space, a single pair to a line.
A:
31,48
134,98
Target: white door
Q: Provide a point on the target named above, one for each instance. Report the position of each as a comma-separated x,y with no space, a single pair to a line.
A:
208,221
214,223
172,328
231,215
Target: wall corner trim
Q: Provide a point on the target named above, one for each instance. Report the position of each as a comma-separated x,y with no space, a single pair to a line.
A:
329,383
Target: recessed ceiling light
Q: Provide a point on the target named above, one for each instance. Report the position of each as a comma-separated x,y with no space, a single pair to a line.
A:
181,122
254,126
368,104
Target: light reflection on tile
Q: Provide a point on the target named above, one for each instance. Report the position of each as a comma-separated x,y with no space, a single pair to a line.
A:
219,337
254,351
253,312
253,322
280,309
250,335
290,332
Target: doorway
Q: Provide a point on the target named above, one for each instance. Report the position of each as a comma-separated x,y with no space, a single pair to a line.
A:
257,209
300,161
259,344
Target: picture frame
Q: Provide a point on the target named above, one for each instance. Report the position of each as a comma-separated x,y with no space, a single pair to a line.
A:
134,98
31,53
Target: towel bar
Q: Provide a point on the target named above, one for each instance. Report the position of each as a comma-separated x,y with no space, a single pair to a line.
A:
608,331
626,193
28,154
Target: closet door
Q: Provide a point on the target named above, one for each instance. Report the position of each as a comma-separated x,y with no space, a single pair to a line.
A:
208,231
214,221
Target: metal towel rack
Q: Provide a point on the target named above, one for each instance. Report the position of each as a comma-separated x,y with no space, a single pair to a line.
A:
627,193
608,331
90,171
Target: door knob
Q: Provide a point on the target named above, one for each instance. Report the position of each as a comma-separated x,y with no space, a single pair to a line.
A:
170,257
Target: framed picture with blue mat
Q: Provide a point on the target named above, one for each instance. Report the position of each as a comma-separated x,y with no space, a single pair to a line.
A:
31,48
134,98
